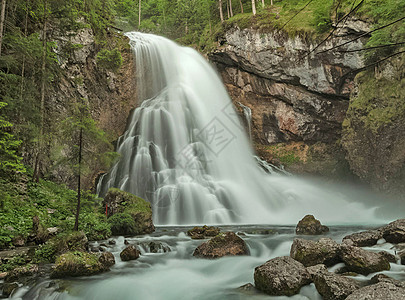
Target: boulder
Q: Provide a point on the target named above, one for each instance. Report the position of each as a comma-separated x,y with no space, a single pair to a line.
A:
224,244
313,270
120,202
379,291
281,276
8,288
20,272
158,247
130,253
310,226
107,259
364,238
384,278
390,257
310,253
332,286
394,232
198,233
76,263
363,262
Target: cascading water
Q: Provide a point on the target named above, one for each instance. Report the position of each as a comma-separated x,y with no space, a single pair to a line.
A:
247,112
186,151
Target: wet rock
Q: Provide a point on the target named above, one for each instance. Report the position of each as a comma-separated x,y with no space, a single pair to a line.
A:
281,276
107,260
224,244
394,232
198,233
76,263
157,247
384,278
364,238
401,255
379,291
261,231
130,253
310,253
112,242
390,257
126,242
248,289
20,272
8,288
310,226
332,286
363,262
313,270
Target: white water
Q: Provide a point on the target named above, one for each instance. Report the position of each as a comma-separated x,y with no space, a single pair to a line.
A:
186,152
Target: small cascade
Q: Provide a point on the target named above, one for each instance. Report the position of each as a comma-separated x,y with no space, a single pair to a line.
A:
247,112
270,168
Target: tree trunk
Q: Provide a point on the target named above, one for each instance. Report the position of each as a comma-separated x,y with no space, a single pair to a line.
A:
139,17
227,8
23,64
79,192
2,19
263,3
254,7
221,14
241,6
271,2
230,8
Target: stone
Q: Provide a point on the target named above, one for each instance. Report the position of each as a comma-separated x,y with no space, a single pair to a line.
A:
130,253
384,278
8,288
364,238
390,257
112,242
204,232
76,263
224,244
313,270
19,241
394,232
52,231
310,226
379,291
107,259
158,247
281,276
3,275
363,262
310,253
120,202
332,286
21,272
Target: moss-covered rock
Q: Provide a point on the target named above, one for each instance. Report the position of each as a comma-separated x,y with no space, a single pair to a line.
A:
126,204
363,262
334,287
77,263
130,253
224,244
310,253
310,226
198,233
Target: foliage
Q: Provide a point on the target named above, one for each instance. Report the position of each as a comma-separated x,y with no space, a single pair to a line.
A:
13,263
122,223
110,60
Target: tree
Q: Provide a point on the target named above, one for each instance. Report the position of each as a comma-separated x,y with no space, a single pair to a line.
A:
230,7
254,7
221,14
91,146
241,6
139,14
264,4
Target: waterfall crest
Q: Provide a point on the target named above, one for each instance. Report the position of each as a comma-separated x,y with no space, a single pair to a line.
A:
186,151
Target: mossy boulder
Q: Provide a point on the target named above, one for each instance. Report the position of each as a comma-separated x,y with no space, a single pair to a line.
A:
281,276
363,262
107,259
77,263
19,273
310,253
130,253
198,233
128,206
310,226
224,244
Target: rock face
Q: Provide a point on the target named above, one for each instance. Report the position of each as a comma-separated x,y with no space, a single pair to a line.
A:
379,291
117,201
310,253
362,261
204,232
332,286
74,264
130,253
310,226
281,276
224,244
364,238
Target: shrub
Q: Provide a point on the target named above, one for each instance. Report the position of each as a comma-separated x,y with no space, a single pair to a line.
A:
109,60
122,224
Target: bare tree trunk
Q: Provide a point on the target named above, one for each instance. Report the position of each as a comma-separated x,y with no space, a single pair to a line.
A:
221,14
271,2
23,64
241,6
254,7
139,17
227,8
79,192
263,3
2,19
230,7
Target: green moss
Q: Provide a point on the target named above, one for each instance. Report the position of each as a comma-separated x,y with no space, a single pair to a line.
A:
122,224
109,59
75,264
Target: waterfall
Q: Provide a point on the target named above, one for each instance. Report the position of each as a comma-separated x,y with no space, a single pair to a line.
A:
247,112
186,152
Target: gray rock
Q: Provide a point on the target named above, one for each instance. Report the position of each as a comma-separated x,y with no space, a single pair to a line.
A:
310,226
394,232
379,291
281,276
364,238
107,259
363,262
313,270
390,257
310,253
334,287
130,253
8,288
384,278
